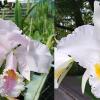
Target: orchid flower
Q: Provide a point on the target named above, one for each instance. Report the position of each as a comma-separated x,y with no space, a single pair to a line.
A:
83,45
22,53
31,55
11,82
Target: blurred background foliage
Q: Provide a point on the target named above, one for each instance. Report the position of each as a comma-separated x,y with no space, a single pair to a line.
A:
69,15
36,20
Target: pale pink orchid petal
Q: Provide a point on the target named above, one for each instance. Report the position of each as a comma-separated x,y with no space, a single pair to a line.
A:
23,66
11,62
7,30
19,39
9,26
41,55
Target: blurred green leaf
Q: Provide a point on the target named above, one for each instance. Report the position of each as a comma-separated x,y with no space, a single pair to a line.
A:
35,86
50,41
18,14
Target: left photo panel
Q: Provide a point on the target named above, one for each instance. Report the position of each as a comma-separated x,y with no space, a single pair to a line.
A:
26,49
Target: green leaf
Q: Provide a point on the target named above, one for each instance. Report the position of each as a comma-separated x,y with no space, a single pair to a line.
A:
37,36
18,14
35,86
50,41
3,98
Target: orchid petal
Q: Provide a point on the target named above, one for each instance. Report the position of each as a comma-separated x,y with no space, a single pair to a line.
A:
9,26
7,30
95,86
11,62
19,39
21,57
41,55
23,67
85,77
60,58
62,61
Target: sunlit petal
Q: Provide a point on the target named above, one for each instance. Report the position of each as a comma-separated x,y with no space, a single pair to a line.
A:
77,45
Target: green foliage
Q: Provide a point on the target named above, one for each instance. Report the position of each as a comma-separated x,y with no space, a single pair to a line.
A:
41,21
71,14
18,14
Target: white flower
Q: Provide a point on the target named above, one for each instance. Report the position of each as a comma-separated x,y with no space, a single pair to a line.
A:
11,82
83,45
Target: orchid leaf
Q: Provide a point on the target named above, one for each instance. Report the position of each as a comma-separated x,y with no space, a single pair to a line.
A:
34,87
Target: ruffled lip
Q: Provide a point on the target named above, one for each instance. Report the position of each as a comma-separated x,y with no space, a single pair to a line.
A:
12,84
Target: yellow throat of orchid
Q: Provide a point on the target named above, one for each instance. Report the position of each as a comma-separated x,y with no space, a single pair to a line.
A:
58,72
97,70
12,74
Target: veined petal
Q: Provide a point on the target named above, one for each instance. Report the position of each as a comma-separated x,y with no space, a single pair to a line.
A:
11,62
19,39
77,45
23,66
60,58
36,55
41,55
84,80
7,30
9,26
12,83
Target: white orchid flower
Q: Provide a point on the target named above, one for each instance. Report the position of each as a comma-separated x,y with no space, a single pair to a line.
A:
83,46
61,64
11,82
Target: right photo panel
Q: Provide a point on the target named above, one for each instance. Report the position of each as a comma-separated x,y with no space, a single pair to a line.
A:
77,50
